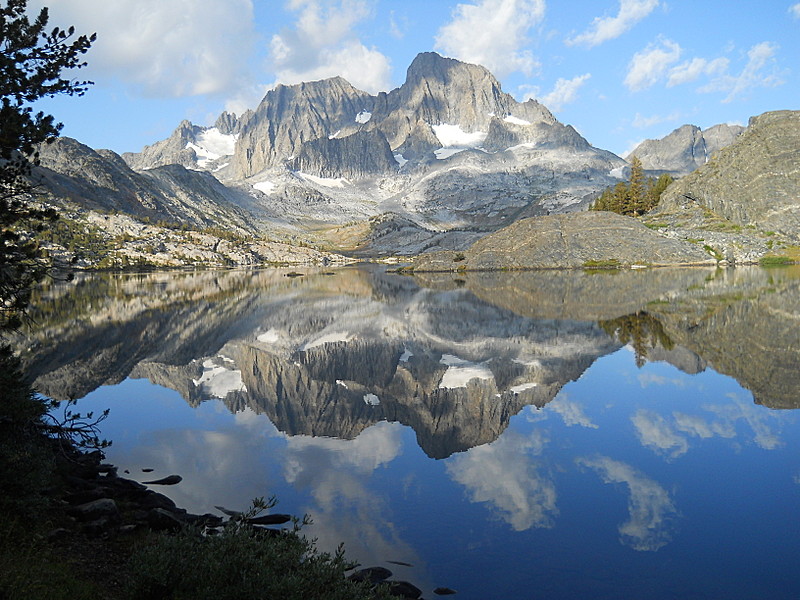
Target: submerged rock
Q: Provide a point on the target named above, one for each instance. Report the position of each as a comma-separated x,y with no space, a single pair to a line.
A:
169,480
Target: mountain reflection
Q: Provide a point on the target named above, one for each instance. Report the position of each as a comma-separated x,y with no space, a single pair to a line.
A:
332,353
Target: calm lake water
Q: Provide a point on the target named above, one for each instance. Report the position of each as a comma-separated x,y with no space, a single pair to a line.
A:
527,435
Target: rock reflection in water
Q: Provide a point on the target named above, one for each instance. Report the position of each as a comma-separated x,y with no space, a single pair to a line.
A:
572,413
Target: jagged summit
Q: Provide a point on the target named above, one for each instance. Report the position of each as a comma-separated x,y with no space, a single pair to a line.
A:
448,149
685,149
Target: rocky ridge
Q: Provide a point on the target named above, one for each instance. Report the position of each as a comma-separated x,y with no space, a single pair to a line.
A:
576,240
685,149
754,182
447,149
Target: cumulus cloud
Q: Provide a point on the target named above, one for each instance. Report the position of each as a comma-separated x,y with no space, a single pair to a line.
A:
493,33
657,62
164,49
503,475
756,73
571,412
322,44
794,9
651,64
564,92
657,434
603,29
650,508
693,69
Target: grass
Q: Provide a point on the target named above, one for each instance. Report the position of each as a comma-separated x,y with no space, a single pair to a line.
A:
713,252
611,263
242,562
774,261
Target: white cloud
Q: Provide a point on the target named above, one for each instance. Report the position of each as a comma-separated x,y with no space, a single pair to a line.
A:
657,434
564,92
164,49
650,508
397,26
493,33
693,69
650,65
794,9
603,29
753,75
504,475
322,44
571,412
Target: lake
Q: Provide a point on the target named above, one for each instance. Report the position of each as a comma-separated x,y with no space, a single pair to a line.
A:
549,435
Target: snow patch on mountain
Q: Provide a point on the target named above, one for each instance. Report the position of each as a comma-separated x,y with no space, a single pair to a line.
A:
265,186
363,117
328,338
618,172
518,389
452,136
460,372
218,381
339,182
516,120
212,145
371,400
269,337
443,153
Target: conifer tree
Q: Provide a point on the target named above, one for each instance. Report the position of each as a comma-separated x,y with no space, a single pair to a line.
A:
32,60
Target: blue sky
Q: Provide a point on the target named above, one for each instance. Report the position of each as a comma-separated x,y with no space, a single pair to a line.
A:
619,71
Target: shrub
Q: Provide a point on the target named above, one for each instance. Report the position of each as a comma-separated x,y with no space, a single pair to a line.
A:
773,261
242,562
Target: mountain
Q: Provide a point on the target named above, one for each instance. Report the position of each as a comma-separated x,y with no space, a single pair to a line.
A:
685,149
101,180
448,149
753,183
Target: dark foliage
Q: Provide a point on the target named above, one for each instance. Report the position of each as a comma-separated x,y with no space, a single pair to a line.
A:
32,65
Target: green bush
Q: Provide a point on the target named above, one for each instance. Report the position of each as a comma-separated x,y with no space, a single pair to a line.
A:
773,261
242,562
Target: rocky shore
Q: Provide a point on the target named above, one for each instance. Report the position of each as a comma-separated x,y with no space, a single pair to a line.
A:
99,510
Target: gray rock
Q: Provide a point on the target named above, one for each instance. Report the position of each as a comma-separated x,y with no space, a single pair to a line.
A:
277,519
685,149
404,589
90,511
371,574
160,519
358,155
289,116
575,240
754,182
168,480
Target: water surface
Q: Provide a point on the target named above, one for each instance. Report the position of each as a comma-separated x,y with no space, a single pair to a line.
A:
528,435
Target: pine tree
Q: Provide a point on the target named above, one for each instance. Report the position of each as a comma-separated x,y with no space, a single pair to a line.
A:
636,188
31,64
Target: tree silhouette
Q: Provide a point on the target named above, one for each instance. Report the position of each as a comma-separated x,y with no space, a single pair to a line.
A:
32,63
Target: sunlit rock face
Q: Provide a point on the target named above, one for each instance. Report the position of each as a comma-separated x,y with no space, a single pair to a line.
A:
755,181
685,149
448,149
